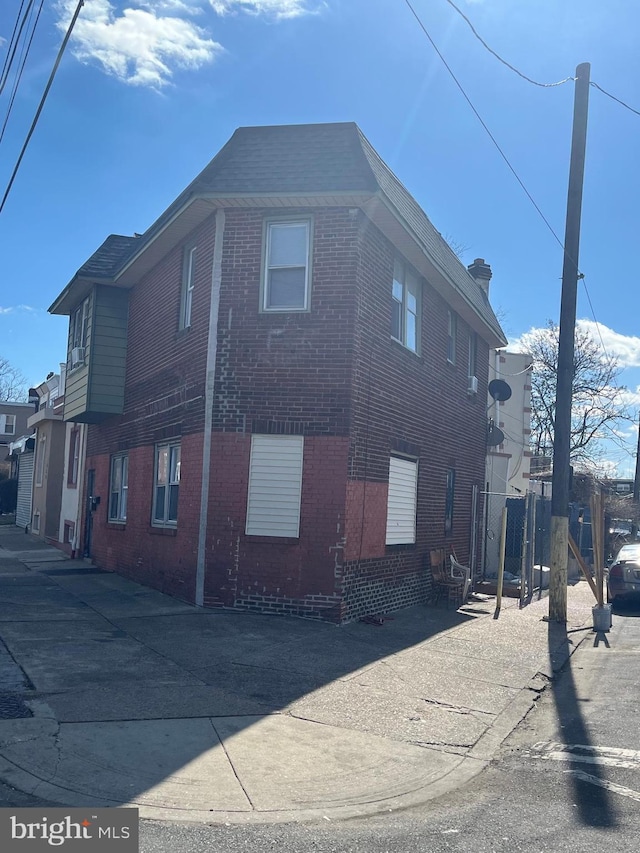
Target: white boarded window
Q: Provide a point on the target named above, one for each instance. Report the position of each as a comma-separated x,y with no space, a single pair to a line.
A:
401,501
275,485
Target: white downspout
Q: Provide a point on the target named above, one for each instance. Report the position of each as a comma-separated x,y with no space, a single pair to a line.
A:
212,345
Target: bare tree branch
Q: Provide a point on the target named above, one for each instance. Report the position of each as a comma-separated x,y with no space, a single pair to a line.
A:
13,383
598,401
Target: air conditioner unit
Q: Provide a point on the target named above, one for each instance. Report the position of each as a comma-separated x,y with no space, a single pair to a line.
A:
472,388
77,356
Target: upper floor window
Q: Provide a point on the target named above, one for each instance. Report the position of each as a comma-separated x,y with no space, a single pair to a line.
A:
188,279
405,306
8,424
166,485
473,354
452,337
78,333
119,488
287,263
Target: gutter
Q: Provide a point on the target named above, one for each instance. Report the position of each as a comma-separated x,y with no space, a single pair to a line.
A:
212,351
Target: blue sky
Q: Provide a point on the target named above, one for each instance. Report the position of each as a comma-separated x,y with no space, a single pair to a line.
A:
149,90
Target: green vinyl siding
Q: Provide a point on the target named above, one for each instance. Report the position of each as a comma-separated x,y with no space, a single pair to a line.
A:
97,389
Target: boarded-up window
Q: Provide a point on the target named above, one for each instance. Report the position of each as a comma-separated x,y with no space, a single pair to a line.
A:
401,501
275,485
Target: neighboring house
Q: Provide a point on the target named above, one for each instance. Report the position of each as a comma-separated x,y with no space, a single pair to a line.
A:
13,424
21,455
286,381
58,468
509,462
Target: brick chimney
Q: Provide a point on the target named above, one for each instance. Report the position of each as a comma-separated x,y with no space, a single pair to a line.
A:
482,273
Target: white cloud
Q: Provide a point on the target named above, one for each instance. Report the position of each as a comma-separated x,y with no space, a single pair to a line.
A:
625,348
137,46
278,9
9,309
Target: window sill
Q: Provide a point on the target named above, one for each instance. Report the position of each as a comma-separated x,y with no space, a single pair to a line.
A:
405,348
272,540
402,546
116,525
163,531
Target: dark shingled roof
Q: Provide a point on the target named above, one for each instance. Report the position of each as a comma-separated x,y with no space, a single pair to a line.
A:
325,158
303,160
108,259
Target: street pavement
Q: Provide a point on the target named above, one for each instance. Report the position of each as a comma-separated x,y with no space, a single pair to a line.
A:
113,694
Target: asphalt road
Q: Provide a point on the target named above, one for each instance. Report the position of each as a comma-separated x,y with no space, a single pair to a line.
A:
568,779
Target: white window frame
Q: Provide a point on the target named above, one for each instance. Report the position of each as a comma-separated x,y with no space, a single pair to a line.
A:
452,336
473,354
119,487
275,486
79,325
402,501
166,477
406,302
269,227
188,283
8,424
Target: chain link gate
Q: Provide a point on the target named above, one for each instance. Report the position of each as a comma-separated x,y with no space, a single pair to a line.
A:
526,543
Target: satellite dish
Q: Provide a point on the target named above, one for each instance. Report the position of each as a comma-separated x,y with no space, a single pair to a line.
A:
499,390
495,436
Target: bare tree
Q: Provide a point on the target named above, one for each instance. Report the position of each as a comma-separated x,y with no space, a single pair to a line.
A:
598,406
13,383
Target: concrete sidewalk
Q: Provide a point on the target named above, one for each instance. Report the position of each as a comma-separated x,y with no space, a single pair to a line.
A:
113,694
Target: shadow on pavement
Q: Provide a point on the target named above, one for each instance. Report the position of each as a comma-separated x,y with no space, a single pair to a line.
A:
595,805
135,687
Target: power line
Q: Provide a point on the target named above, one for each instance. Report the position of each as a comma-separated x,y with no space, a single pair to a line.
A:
18,78
525,76
613,98
484,125
65,40
13,45
504,61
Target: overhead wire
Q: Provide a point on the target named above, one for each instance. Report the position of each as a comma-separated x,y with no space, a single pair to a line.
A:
486,128
525,76
13,44
43,99
16,83
504,61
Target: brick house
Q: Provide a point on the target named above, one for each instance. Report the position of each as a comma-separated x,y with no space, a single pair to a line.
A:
286,380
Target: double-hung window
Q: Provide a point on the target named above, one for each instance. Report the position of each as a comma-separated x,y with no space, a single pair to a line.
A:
78,334
402,501
166,485
452,336
286,284
473,353
8,424
405,306
119,487
188,280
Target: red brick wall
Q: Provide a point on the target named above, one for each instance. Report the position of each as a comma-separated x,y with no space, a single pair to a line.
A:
301,576
162,558
333,375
